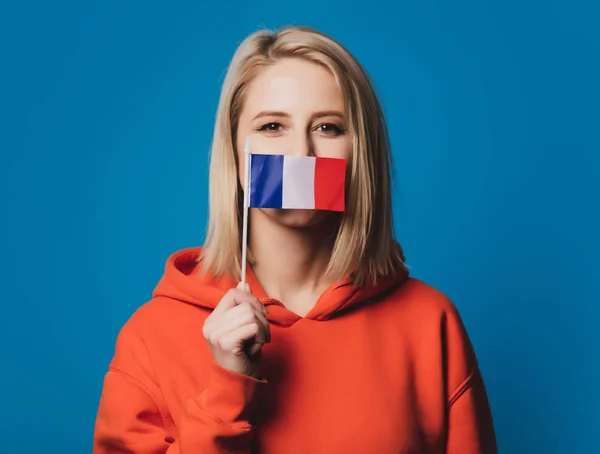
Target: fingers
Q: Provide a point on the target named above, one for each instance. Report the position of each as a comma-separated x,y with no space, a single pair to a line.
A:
246,288
236,331
254,349
235,297
258,314
238,322
234,340
241,315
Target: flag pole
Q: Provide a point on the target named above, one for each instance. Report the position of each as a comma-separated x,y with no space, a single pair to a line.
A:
246,206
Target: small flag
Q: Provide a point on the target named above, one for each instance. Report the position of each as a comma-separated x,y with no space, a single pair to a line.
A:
297,182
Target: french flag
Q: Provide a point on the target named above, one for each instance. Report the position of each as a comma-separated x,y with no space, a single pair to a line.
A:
297,182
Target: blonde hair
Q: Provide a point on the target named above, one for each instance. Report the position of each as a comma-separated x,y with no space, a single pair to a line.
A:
364,248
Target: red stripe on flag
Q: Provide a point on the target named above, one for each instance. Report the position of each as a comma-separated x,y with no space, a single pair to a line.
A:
330,181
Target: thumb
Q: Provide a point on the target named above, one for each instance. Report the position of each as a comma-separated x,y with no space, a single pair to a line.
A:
241,287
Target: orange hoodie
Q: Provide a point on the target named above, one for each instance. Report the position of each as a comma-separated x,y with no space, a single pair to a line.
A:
384,369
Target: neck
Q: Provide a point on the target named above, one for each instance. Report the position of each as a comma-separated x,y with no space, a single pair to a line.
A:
291,263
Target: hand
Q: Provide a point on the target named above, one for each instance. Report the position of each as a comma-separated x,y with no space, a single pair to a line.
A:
236,331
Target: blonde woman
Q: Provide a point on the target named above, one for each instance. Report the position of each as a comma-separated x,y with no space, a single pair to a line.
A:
331,347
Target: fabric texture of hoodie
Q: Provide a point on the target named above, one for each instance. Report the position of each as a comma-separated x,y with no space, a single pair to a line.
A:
385,369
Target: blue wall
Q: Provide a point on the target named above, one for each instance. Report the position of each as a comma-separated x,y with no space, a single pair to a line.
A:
106,112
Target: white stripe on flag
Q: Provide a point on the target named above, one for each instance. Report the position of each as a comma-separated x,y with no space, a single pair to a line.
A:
299,182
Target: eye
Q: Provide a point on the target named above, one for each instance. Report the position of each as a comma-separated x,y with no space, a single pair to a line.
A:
330,129
271,127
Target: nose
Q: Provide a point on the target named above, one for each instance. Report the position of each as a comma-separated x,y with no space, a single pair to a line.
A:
302,145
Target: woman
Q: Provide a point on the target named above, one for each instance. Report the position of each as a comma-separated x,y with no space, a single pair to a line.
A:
332,347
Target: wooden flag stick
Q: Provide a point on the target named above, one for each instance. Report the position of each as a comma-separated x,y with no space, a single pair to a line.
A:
246,206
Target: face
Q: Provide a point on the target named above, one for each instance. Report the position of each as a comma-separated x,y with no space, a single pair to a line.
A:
294,108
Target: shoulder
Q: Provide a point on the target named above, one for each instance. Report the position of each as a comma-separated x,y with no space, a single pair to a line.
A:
430,318
134,331
160,314
155,327
424,300
146,317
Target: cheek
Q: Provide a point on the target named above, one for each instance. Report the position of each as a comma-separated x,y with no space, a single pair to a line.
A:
348,148
241,168
240,142
340,148
264,144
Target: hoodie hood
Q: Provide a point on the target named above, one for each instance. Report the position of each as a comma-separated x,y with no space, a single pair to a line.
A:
182,281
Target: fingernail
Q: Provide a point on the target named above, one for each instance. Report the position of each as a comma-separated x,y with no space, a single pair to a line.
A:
246,288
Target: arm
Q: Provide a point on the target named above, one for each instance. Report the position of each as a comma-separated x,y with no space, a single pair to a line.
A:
471,430
132,417
470,424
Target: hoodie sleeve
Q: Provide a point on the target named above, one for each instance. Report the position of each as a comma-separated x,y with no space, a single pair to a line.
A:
132,417
470,424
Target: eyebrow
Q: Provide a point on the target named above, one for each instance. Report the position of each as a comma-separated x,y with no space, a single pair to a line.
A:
276,113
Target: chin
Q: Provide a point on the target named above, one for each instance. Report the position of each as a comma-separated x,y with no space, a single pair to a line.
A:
298,218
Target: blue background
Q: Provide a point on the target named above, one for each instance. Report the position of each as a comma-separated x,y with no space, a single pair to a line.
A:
107,111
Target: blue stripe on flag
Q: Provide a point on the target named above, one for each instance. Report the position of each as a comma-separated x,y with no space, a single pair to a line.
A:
266,181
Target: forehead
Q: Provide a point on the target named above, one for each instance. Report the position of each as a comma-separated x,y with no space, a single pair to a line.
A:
294,85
